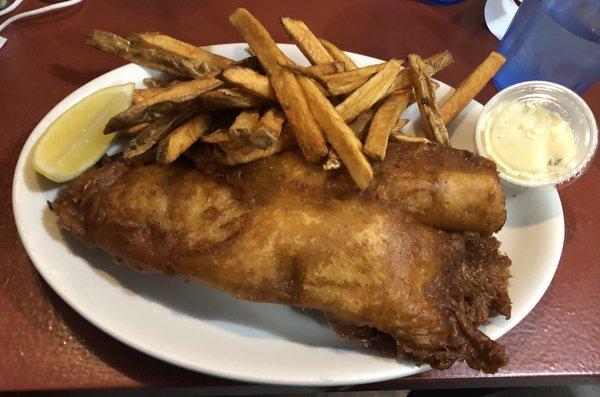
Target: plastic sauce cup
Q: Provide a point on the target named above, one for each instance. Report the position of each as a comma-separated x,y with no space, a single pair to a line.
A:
557,98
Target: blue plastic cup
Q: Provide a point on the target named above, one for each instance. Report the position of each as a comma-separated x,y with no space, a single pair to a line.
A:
553,40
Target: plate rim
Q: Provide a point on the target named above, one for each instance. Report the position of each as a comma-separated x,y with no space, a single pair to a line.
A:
368,377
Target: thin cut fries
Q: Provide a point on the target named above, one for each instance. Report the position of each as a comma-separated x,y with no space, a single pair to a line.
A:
167,101
470,87
146,139
248,153
338,54
431,120
323,69
219,136
317,72
370,92
362,122
243,125
151,82
230,98
179,65
181,48
235,112
306,72
134,130
433,65
285,85
180,139
306,41
156,59
383,123
412,139
141,94
339,135
267,129
345,82
251,81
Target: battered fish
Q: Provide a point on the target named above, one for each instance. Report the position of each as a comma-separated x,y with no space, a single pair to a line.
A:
280,231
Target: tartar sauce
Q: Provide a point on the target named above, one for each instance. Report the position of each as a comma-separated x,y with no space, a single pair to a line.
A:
528,141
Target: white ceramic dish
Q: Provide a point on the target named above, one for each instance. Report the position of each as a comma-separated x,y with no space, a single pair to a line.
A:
207,331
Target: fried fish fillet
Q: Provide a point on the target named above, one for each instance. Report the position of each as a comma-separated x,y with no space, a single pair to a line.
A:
443,188
281,231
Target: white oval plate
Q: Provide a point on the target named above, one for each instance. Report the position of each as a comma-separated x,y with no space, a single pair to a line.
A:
203,330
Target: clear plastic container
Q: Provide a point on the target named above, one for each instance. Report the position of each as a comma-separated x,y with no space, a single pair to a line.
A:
573,110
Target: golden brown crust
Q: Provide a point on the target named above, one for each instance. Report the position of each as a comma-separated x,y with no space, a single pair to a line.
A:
281,231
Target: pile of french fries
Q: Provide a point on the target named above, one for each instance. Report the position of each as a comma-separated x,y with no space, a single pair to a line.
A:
338,114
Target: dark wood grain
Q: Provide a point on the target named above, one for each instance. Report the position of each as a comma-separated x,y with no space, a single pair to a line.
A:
46,345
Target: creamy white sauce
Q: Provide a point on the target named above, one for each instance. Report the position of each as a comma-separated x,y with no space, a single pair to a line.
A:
528,142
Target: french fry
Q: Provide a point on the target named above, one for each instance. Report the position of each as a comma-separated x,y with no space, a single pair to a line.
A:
431,120
338,54
141,94
155,59
438,62
178,65
169,44
324,69
179,140
134,130
243,125
361,123
333,161
251,81
231,144
303,71
384,121
218,136
433,64
339,135
248,153
109,42
167,101
150,136
470,87
268,128
230,98
412,139
369,93
285,85
151,82
316,72
306,41
345,82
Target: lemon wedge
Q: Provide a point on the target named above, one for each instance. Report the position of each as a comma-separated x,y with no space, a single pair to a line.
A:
75,140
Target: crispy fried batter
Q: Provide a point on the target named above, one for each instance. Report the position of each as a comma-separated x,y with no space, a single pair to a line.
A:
263,232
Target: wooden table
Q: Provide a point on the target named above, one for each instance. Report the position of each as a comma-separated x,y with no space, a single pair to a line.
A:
45,345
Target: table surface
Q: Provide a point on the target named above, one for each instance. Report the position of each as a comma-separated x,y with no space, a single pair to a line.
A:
46,345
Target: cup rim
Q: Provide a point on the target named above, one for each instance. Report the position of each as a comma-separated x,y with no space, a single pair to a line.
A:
561,180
